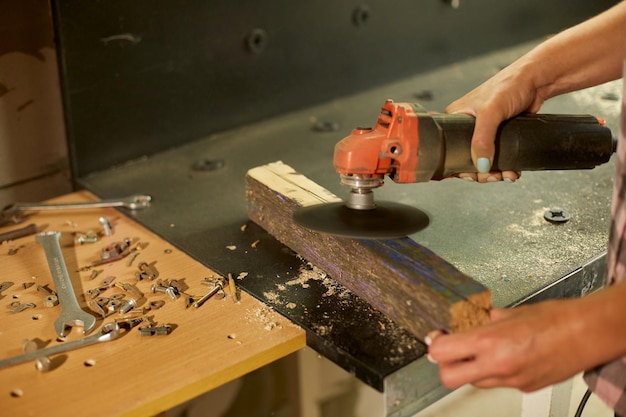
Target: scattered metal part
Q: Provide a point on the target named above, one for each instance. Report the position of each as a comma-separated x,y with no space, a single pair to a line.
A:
208,165
131,288
5,285
106,226
130,322
13,250
219,284
94,274
71,313
93,293
151,330
220,295
109,331
156,304
127,305
89,237
133,202
31,229
51,301
132,258
27,285
97,307
147,271
114,305
17,307
42,363
44,289
171,291
556,215
115,249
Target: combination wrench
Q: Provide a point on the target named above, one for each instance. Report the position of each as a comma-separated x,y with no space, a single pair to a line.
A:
14,213
71,313
109,331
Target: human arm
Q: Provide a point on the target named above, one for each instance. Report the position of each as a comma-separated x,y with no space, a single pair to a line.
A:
583,56
530,347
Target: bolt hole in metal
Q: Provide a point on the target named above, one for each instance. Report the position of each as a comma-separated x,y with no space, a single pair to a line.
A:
361,15
257,40
208,165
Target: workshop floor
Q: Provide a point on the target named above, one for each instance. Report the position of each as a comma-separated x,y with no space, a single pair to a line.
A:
328,391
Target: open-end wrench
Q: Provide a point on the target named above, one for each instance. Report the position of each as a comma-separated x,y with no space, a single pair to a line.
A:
109,331
71,313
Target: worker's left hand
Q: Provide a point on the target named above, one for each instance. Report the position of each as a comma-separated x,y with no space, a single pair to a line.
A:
527,347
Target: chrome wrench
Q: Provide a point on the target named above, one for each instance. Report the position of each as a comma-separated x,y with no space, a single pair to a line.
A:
132,202
71,313
109,331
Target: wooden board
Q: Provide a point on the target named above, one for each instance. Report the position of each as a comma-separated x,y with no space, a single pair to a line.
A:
406,281
134,375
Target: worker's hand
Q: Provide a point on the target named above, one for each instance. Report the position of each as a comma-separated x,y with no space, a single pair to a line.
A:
527,348
505,95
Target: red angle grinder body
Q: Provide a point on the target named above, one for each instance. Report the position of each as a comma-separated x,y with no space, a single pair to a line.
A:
409,144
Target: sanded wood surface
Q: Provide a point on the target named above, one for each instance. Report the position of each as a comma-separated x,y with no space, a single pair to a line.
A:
406,281
134,375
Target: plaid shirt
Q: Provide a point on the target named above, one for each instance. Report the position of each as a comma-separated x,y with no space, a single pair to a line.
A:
608,381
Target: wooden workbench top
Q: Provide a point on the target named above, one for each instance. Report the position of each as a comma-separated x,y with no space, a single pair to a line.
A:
133,375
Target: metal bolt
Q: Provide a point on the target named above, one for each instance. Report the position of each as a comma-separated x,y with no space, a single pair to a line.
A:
106,226
171,291
219,284
147,271
556,215
129,304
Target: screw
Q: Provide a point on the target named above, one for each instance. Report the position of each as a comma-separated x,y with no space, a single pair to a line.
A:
219,284
556,215
171,291
106,226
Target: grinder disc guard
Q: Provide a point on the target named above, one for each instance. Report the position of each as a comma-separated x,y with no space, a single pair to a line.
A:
387,220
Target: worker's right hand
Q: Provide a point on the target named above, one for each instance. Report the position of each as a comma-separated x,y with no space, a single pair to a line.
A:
505,95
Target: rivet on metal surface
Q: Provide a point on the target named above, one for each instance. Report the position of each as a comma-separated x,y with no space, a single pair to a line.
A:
556,215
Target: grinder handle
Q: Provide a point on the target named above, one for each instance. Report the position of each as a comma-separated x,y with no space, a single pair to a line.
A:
529,142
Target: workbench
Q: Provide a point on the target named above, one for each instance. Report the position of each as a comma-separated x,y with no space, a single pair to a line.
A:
135,374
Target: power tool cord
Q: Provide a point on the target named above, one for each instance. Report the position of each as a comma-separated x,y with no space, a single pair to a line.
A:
583,402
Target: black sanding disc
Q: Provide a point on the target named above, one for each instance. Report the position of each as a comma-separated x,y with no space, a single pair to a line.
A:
387,221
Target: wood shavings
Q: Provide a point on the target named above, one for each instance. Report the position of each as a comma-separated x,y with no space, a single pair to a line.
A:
231,247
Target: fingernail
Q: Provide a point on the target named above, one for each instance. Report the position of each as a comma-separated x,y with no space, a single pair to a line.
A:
430,359
468,179
510,181
483,165
491,178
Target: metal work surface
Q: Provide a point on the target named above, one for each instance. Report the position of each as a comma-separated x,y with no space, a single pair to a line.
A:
495,233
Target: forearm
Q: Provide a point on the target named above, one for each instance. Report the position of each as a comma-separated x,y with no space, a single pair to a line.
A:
599,321
585,55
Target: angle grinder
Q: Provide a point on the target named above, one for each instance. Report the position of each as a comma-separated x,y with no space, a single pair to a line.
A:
409,144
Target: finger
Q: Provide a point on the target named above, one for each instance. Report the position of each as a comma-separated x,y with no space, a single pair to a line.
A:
510,176
452,348
483,147
497,314
457,374
468,176
493,176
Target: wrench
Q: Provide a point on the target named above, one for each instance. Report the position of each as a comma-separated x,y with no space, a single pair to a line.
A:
109,331
71,313
133,202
